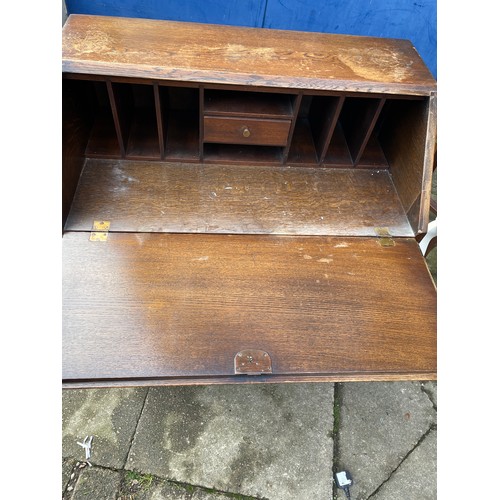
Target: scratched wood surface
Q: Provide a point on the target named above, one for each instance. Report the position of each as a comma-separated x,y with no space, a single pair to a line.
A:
415,21
167,307
409,143
176,197
168,50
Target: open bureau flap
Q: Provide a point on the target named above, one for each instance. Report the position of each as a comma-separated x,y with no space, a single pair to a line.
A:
239,209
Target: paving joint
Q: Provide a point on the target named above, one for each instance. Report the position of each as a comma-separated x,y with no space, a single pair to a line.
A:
337,404
429,395
123,489
135,430
194,487
76,471
228,494
433,427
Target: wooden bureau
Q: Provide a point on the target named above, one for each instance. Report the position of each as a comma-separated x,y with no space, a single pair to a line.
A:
240,205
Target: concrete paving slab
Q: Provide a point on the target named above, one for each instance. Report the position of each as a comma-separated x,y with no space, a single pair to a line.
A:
95,483
416,477
269,441
109,415
380,424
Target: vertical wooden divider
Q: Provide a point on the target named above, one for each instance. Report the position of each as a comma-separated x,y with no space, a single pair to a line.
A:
296,108
160,120
201,114
121,117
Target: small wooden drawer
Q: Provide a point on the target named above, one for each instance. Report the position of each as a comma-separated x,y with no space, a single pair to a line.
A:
260,132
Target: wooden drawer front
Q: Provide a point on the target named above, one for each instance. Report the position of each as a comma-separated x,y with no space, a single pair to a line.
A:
260,132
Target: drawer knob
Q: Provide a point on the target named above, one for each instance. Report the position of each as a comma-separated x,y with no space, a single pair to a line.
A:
246,132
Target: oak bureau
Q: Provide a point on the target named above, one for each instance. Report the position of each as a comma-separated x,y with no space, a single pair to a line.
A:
240,205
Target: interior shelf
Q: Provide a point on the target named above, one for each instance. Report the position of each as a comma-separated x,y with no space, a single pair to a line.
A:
242,154
236,199
103,141
302,149
136,120
143,142
200,125
338,153
373,155
249,104
182,136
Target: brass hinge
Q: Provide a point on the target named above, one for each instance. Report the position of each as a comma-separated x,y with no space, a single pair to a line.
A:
384,237
100,230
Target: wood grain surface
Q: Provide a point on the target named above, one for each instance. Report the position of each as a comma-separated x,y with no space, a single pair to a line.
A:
175,197
256,131
167,307
408,139
167,50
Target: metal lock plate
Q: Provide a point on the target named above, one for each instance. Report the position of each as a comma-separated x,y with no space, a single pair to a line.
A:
252,362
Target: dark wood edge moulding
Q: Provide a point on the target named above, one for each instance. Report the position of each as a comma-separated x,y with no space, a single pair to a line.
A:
250,379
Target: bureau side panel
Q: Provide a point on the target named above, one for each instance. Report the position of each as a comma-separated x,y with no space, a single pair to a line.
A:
408,138
76,124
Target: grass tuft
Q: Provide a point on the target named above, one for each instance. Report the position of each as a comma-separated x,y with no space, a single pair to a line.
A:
144,480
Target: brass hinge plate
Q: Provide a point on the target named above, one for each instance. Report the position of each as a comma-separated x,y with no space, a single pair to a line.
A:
100,230
101,225
97,236
252,362
384,237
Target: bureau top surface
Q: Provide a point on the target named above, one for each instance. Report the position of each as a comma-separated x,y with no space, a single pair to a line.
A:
255,57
